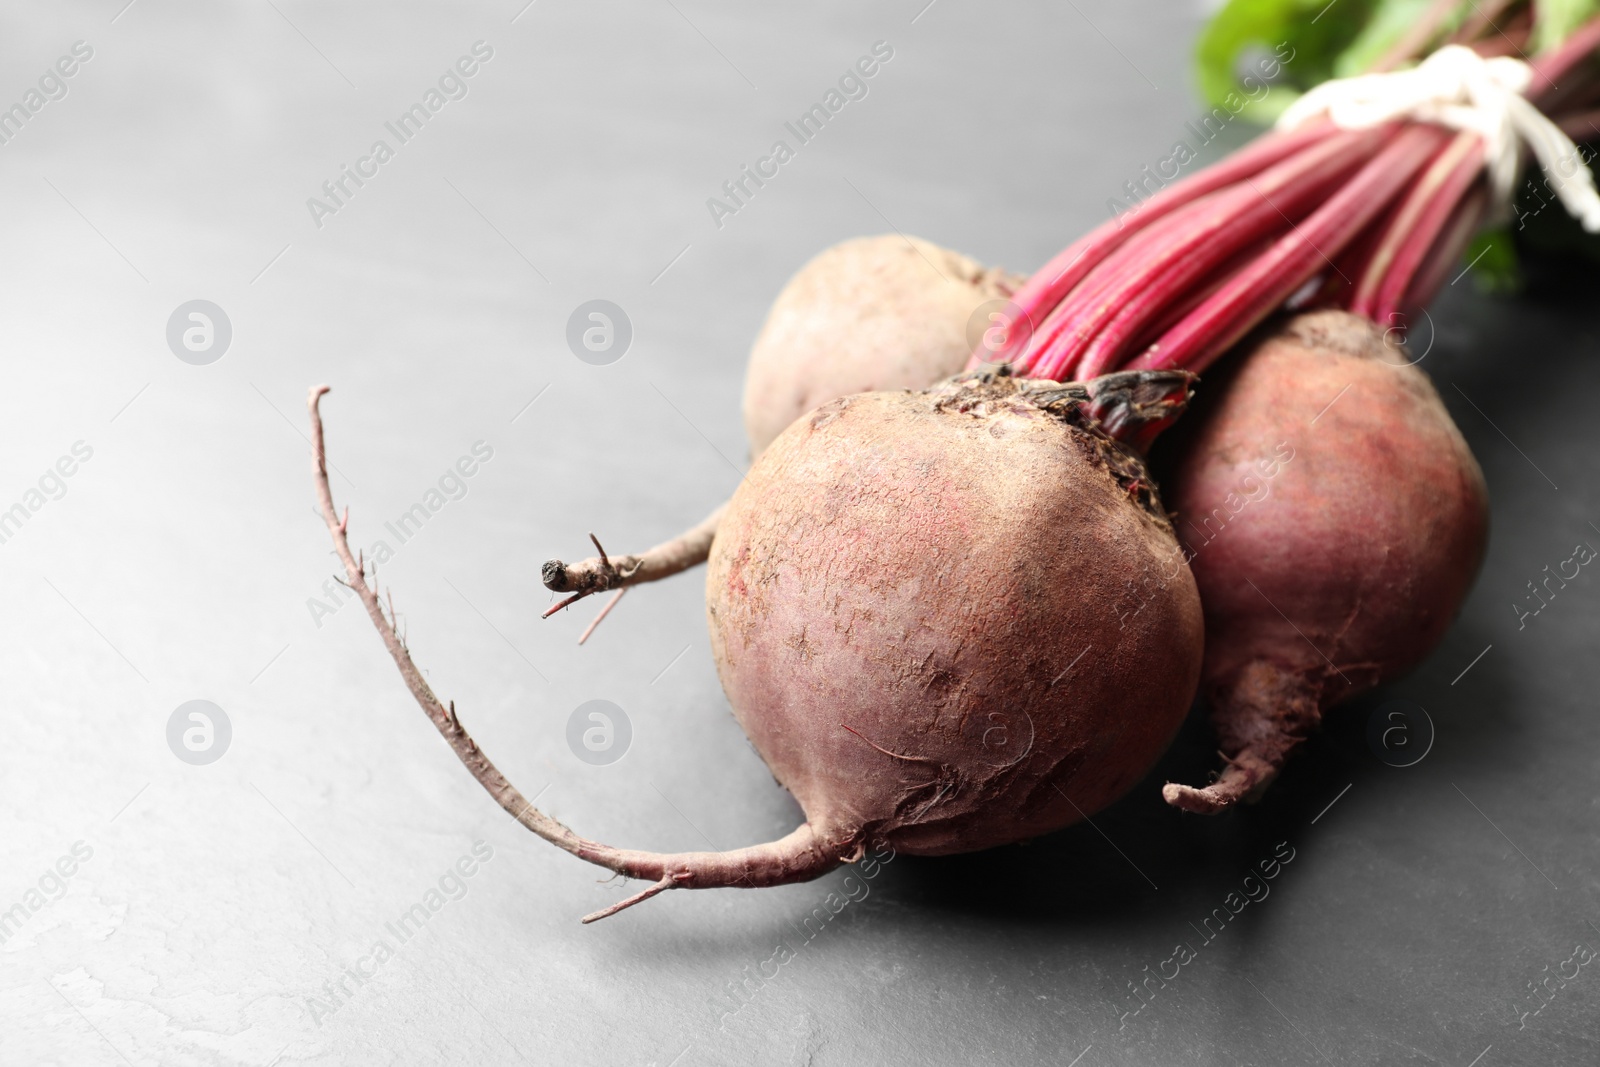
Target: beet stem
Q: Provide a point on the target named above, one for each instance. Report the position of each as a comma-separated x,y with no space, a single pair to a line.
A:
1045,355
1481,22
1259,289
1452,204
1260,206
1050,283
1552,66
1447,250
1423,212
1417,37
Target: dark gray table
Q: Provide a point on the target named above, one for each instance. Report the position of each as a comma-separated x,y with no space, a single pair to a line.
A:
218,906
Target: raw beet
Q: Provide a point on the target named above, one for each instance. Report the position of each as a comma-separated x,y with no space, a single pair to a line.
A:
870,313
956,619
1334,518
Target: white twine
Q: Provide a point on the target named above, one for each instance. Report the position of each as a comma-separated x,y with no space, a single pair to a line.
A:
1459,89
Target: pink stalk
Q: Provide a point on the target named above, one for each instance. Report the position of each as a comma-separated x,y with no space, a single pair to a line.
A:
1186,232
1175,312
1131,255
1443,260
1452,169
1044,290
1259,207
1464,171
1550,68
1257,291
1196,266
1502,45
1338,282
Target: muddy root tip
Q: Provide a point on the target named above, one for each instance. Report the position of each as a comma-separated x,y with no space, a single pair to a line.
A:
666,883
1199,801
554,576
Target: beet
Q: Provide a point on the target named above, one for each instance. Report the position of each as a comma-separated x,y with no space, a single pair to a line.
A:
1334,519
871,313
907,671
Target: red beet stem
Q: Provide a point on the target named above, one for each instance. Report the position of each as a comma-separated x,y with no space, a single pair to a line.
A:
1258,290
1264,206
1044,290
1131,256
1339,282
1443,258
1403,244
1174,312
1462,169
1551,68
1482,21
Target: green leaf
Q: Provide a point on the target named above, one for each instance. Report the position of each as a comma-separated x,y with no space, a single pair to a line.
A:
1387,23
1554,20
1493,260
1238,48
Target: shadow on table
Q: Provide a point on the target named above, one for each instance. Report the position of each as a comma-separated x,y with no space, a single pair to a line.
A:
1140,860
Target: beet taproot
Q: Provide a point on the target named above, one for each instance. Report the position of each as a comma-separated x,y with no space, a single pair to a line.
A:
1334,519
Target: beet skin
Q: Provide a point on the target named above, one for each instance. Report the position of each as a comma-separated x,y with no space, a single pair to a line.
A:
870,313
952,620
1335,520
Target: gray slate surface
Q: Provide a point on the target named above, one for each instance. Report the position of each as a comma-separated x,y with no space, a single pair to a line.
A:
219,899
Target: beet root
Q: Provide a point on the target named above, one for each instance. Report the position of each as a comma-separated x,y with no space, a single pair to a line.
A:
956,619
870,313
1334,519
600,573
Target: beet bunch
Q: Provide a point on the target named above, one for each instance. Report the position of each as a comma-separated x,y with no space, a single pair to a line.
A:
953,612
